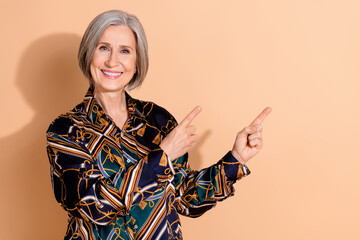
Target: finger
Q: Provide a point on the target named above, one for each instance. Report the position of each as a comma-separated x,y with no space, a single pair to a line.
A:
247,131
255,135
258,131
256,143
259,119
190,130
192,141
187,120
259,127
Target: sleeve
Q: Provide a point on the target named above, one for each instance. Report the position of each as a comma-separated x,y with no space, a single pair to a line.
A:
81,187
199,191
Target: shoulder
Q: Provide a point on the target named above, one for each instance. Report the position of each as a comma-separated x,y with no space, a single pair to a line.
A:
63,124
156,115
60,125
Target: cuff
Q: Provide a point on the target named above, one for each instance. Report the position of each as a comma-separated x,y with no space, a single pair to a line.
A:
234,170
160,163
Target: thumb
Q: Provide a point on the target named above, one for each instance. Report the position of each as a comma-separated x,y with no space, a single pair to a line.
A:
247,131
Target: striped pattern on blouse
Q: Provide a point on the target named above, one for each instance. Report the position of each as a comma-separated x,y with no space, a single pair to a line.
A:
119,184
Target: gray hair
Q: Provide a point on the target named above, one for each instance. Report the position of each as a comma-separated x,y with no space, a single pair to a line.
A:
92,35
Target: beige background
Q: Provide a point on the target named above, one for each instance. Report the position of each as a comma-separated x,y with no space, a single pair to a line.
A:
231,57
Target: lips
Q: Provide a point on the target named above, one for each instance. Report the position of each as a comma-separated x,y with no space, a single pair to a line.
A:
112,74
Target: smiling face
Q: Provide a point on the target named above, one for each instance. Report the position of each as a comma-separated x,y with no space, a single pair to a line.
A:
114,61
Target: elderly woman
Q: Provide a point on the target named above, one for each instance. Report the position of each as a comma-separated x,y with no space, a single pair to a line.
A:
119,165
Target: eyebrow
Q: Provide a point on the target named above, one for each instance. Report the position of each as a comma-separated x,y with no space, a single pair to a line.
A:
106,43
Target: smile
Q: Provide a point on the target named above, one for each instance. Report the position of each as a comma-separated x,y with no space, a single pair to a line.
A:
112,74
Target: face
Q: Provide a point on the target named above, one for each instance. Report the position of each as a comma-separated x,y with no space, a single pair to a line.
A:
114,61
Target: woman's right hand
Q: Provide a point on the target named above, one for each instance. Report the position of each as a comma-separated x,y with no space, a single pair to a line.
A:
182,138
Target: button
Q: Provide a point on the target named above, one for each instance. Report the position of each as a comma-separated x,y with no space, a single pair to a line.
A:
136,226
128,161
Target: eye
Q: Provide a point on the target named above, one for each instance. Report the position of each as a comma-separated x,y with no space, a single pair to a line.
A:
125,51
105,48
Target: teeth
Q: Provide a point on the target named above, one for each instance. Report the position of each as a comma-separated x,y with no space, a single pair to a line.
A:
111,74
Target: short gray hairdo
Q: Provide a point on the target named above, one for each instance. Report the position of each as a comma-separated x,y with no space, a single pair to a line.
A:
92,35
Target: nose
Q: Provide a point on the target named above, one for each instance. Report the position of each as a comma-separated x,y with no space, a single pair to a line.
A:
112,60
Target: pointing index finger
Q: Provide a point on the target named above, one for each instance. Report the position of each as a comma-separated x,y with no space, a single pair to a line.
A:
259,119
188,119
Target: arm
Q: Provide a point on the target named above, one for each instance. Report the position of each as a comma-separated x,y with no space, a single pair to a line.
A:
82,189
198,191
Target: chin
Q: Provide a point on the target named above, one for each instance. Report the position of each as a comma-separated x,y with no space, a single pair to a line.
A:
110,87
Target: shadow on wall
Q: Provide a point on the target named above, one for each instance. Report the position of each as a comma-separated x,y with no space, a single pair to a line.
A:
51,82
195,156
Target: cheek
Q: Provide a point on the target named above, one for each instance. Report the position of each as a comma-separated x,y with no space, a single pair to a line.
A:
96,60
96,63
99,58
131,63
93,67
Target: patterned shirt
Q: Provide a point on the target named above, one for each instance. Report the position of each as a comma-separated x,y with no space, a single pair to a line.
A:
119,184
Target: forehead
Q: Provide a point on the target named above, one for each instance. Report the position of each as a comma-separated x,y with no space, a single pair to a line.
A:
118,35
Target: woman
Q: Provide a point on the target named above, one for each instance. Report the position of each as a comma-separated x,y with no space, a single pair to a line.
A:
119,165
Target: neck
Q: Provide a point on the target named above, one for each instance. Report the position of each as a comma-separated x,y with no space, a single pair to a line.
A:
113,103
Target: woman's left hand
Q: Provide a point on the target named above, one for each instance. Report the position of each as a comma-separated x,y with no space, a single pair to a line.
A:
248,141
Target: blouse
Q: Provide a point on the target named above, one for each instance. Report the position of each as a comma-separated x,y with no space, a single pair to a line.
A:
119,184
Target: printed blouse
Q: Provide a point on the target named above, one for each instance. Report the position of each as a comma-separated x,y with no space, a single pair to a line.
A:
119,184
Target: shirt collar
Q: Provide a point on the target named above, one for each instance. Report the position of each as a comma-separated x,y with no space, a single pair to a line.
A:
97,115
